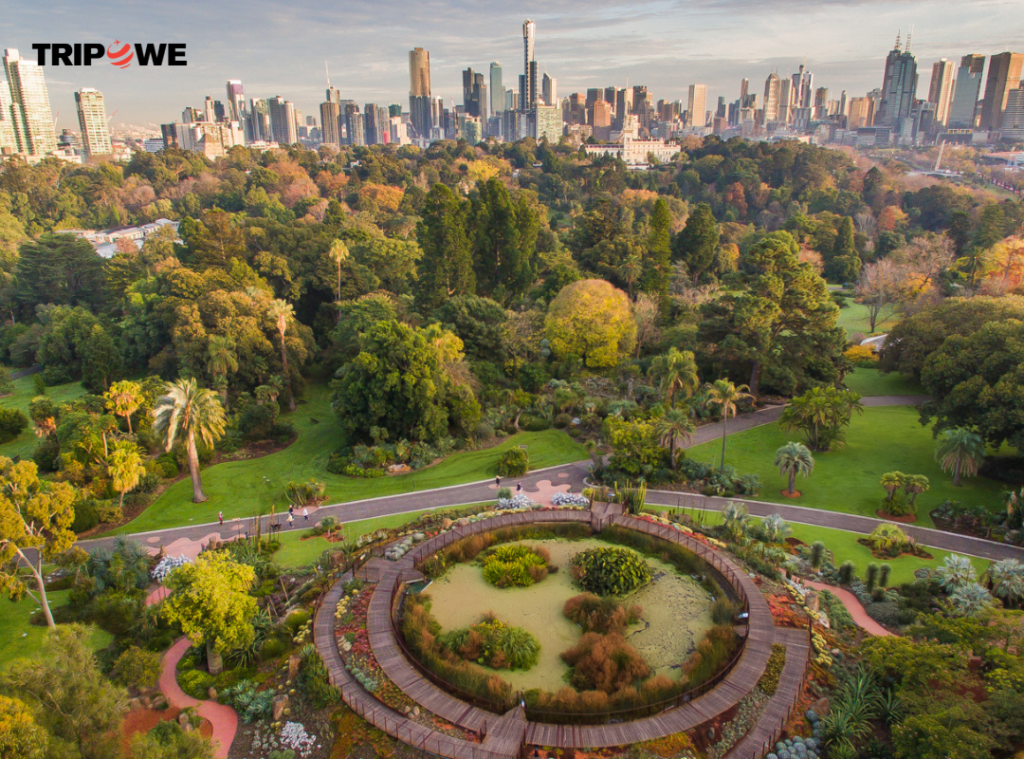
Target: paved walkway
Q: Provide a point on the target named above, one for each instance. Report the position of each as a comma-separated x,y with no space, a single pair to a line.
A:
853,605
223,718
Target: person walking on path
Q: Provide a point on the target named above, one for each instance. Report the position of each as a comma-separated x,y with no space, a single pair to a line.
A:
291,510
519,487
497,482
220,518
305,514
291,520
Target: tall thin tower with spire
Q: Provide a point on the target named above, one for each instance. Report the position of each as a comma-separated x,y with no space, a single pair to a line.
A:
899,86
528,84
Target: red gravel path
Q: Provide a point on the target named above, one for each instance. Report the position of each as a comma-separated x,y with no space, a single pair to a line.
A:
853,606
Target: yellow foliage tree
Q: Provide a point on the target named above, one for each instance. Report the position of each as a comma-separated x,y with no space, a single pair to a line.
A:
592,320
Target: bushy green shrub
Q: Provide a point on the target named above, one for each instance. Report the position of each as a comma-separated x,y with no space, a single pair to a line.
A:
884,613
296,619
600,615
12,423
532,423
723,609
769,681
313,679
610,571
839,617
504,492
309,493
494,644
196,683
514,462
137,667
252,705
514,565
85,516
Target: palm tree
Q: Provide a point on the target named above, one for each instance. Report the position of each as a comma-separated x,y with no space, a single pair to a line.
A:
793,459
124,399
956,570
775,529
338,253
970,600
188,410
282,312
221,360
674,429
726,396
1007,578
914,485
675,371
631,269
960,451
892,481
125,466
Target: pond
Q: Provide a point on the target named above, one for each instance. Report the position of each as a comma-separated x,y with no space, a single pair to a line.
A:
677,613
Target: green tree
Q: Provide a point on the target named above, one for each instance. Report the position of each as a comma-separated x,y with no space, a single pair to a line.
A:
505,228
630,270
125,465
892,481
210,600
338,253
124,399
21,737
843,265
167,740
221,360
991,227
1007,578
282,313
793,459
674,428
726,396
60,269
446,268
658,261
34,514
822,413
914,485
675,371
592,320
961,452
187,411
697,244
75,702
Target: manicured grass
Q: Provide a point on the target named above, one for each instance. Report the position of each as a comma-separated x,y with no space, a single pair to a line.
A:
239,488
870,382
844,547
881,440
25,444
21,639
854,319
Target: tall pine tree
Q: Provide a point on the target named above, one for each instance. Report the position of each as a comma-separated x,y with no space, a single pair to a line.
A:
504,231
658,261
446,268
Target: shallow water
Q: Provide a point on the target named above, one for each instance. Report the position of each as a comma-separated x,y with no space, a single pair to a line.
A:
677,613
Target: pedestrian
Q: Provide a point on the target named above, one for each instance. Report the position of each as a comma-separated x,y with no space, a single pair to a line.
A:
305,514
497,482
220,518
291,510
291,519
519,487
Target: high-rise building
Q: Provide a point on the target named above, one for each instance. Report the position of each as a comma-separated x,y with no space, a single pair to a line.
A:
420,105
696,104
355,124
772,90
744,91
30,105
236,102
965,94
1013,115
623,106
940,90
1004,71
528,94
282,121
862,113
373,128
8,139
331,131
92,118
785,100
497,89
259,119
899,87
549,89
549,123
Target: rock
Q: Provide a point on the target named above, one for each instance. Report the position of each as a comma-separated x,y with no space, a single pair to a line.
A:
134,703
293,666
185,722
463,521
811,600
159,701
446,523
415,712
279,704
406,709
820,707
212,693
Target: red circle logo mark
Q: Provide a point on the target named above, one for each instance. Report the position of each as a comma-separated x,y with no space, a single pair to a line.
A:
122,56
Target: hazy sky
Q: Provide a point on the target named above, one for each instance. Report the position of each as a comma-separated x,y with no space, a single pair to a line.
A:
279,48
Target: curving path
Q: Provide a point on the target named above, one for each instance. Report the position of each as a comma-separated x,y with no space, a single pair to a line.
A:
853,605
223,718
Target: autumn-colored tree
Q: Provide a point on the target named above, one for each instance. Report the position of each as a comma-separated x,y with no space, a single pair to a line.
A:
592,320
20,736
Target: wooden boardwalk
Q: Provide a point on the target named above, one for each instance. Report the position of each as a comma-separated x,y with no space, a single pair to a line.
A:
504,736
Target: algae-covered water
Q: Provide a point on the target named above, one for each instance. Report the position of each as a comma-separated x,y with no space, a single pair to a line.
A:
677,613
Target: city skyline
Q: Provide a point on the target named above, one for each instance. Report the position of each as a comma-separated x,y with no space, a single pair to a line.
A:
597,49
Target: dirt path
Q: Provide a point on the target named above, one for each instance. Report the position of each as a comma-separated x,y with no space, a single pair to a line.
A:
853,606
221,717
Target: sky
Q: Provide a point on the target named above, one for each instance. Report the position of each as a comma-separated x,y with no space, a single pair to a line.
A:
280,48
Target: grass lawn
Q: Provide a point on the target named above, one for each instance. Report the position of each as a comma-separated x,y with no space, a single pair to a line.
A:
844,547
25,444
238,488
854,318
881,440
20,639
870,382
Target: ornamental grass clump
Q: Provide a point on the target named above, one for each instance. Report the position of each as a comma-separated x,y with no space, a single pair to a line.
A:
601,615
606,663
610,571
494,644
516,566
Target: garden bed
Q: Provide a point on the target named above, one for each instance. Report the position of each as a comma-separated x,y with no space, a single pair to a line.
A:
905,519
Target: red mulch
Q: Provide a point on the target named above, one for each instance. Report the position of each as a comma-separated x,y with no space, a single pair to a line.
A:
907,519
144,720
790,493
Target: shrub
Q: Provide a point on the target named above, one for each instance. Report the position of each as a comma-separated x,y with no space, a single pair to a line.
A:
723,610
883,575
884,613
610,571
196,683
600,615
817,554
605,662
769,681
513,463
860,355
889,540
504,493
47,453
258,421
136,667
309,493
711,655
272,649
12,423
514,566
296,619
494,644
532,423
839,617
562,421
846,572
871,576
313,679
85,516
483,431
252,705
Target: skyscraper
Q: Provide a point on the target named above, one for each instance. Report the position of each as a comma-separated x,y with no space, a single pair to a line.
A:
772,90
528,84
355,125
282,121
236,101
497,89
419,92
549,88
899,87
1004,72
92,118
30,107
696,104
940,91
965,93
785,100
8,140
1013,115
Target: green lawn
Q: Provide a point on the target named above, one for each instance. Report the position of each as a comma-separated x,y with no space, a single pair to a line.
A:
20,639
870,382
854,318
844,547
25,444
881,440
238,488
